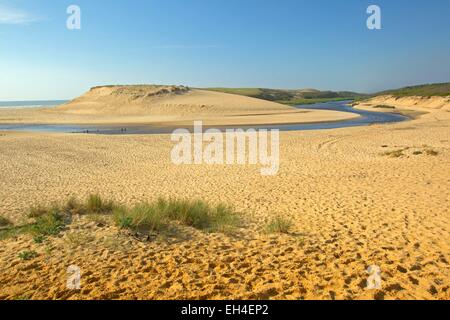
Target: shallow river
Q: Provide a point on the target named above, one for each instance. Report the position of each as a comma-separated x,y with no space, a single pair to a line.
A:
366,118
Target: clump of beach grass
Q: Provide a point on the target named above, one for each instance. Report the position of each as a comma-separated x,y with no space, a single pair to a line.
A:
96,204
49,224
140,217
157,215
279,225
27,255
12,231
198,214
154,216
37,211
73,206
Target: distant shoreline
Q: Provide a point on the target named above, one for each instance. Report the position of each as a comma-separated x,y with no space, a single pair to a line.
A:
19,104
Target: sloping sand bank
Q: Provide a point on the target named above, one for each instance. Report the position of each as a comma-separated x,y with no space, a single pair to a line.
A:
428,107
168,105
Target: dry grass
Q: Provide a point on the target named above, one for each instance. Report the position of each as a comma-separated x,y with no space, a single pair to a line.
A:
279,225
96,205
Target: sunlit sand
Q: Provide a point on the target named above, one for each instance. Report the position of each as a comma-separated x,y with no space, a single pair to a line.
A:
357,197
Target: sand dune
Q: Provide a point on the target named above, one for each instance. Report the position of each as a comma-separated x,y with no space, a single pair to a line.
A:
168,105
163,100
412,103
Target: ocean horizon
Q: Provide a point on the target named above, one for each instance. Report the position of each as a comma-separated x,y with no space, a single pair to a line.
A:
31,103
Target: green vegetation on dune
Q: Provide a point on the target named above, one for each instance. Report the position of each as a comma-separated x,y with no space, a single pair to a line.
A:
158,215
279,225
249,92
311,96
300,101
291,97
427,90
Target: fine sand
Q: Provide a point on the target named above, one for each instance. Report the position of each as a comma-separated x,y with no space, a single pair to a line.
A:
352,206
167,106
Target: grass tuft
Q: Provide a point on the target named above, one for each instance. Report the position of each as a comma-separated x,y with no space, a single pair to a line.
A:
140,217
148,216
279,225
196,213
37,211
73,206
49,224
95,204
28,255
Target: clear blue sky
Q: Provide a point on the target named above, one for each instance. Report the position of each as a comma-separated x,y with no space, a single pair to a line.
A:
323,44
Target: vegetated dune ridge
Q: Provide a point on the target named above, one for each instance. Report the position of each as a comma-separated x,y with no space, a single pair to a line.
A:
168,105
375,195
291,96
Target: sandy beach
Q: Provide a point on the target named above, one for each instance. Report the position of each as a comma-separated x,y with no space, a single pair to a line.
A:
351,203
224,159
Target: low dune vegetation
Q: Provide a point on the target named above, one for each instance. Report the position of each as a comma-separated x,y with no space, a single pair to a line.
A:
426,90
292,97
155,216
158,215
279,225
27,255
415,151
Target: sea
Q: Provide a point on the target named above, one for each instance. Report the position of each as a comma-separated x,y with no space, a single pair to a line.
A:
31,104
